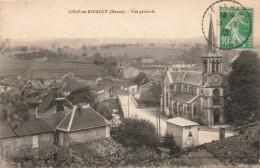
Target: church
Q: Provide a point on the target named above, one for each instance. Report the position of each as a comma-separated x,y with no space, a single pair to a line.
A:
197,96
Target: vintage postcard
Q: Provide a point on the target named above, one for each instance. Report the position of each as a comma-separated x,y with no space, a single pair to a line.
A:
108,83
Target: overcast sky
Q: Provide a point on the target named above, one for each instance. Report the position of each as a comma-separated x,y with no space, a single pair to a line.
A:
51,19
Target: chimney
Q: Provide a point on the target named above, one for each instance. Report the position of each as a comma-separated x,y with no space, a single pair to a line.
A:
79,107
59,104
221,133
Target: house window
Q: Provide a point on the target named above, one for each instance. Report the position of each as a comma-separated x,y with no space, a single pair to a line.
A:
190,134
35,143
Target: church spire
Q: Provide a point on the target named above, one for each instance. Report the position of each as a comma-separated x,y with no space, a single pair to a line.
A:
211,46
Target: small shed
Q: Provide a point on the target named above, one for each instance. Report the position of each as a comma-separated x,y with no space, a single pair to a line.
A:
184,131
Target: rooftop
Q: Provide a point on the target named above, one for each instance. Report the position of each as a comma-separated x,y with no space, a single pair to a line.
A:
186,77
181,122
80,119
185,98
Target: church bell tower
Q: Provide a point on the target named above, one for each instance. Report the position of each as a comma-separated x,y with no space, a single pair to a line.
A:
212,92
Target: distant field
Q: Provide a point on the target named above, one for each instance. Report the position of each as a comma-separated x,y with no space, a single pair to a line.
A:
45,70
37,69
158,52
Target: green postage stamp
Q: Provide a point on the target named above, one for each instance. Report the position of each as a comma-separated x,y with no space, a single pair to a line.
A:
236,28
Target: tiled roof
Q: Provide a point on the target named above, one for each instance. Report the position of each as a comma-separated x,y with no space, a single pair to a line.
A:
177,76
101,85
85,118
123,83
72,85
33,127
6,130
181,122
48,102
97,148
238,149
184,98
48,106
192,78
55,119
37,84
186,77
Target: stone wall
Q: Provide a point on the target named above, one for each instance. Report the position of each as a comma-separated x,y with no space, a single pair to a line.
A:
25,145
87,135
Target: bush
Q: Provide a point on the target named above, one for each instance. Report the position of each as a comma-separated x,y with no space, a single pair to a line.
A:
135,133
169,142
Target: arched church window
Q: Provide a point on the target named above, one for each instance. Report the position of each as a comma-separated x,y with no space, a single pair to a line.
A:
217,66
216,111
205,66
216,98
213,66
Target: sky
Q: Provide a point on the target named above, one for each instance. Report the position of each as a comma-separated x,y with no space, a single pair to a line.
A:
43,19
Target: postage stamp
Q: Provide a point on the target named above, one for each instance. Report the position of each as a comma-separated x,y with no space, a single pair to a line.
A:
236,28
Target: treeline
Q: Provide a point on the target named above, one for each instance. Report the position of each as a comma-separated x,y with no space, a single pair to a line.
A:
36,54
193,55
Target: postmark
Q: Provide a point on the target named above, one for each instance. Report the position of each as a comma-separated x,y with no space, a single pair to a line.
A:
229,37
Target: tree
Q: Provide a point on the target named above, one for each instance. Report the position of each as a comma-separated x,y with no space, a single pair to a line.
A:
104,111
82,95
141,78
169,142
12,109
84,47
156,91
137,133
243,88
24,49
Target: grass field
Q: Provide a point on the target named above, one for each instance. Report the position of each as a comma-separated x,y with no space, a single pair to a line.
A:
40,69
45,70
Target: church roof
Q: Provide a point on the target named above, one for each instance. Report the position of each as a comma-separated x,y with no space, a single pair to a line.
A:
184,98
211,46
186,77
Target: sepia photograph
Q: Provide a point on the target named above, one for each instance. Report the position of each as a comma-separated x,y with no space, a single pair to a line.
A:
108,83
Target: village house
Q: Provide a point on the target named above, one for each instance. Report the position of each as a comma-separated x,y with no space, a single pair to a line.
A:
52,104
122,61
82,124
183,66
57,125
185,132
146,95
195,95
35,137
124,86
127,71
102,89
157,65
148,59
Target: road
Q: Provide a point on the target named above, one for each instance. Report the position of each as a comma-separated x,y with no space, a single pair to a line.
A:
206,134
